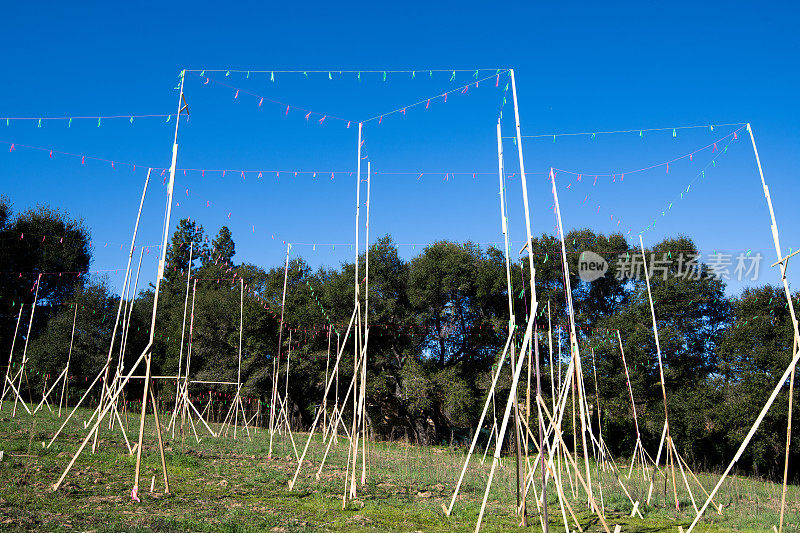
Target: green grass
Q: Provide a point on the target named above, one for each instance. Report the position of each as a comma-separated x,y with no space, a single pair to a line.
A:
226,485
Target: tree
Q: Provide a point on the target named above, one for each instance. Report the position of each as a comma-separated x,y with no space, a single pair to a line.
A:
188,234
223,248
40,240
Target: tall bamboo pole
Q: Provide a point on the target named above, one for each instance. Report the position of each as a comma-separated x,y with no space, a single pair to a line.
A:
159,277
782,261
273,420
660,372
573,336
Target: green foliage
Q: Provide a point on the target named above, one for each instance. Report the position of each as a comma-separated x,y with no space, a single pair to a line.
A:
437,324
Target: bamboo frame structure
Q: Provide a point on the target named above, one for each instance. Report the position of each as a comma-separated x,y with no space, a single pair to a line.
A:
184,402
783,263
113,389
20,374
147,352
233,412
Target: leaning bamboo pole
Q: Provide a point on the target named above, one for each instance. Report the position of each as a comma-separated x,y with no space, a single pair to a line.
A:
783,263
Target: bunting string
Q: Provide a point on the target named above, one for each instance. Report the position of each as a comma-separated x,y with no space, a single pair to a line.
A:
443,96
321,118
640,131
690,156
99,118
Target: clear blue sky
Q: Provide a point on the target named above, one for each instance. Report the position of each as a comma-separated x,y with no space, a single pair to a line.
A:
580,68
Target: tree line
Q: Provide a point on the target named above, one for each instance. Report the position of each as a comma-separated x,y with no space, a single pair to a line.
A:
438,322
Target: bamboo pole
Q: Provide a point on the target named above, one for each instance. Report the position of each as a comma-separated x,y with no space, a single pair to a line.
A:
529,235
159,277
277,360
183,332
353,452
660,370
489,397
788,443
328,384
541,435
65,385
573,336
366,336
506,416
107,388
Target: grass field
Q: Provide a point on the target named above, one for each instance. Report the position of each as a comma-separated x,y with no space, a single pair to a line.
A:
227,485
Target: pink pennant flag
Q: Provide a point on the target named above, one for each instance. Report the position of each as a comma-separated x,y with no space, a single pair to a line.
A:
260,102
259,173
348,124
497,81
208,203
404,111
83,159
203,173
229,214
243,176
427,105
112,164
187,191
223,173
206,82
690,158
12,148
287,110
308,115
667,167
254,228
445,98
595,181
715,148
380,119
331,175
622,177
323,119
51,154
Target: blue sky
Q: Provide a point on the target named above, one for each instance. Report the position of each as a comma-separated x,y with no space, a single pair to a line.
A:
580,67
